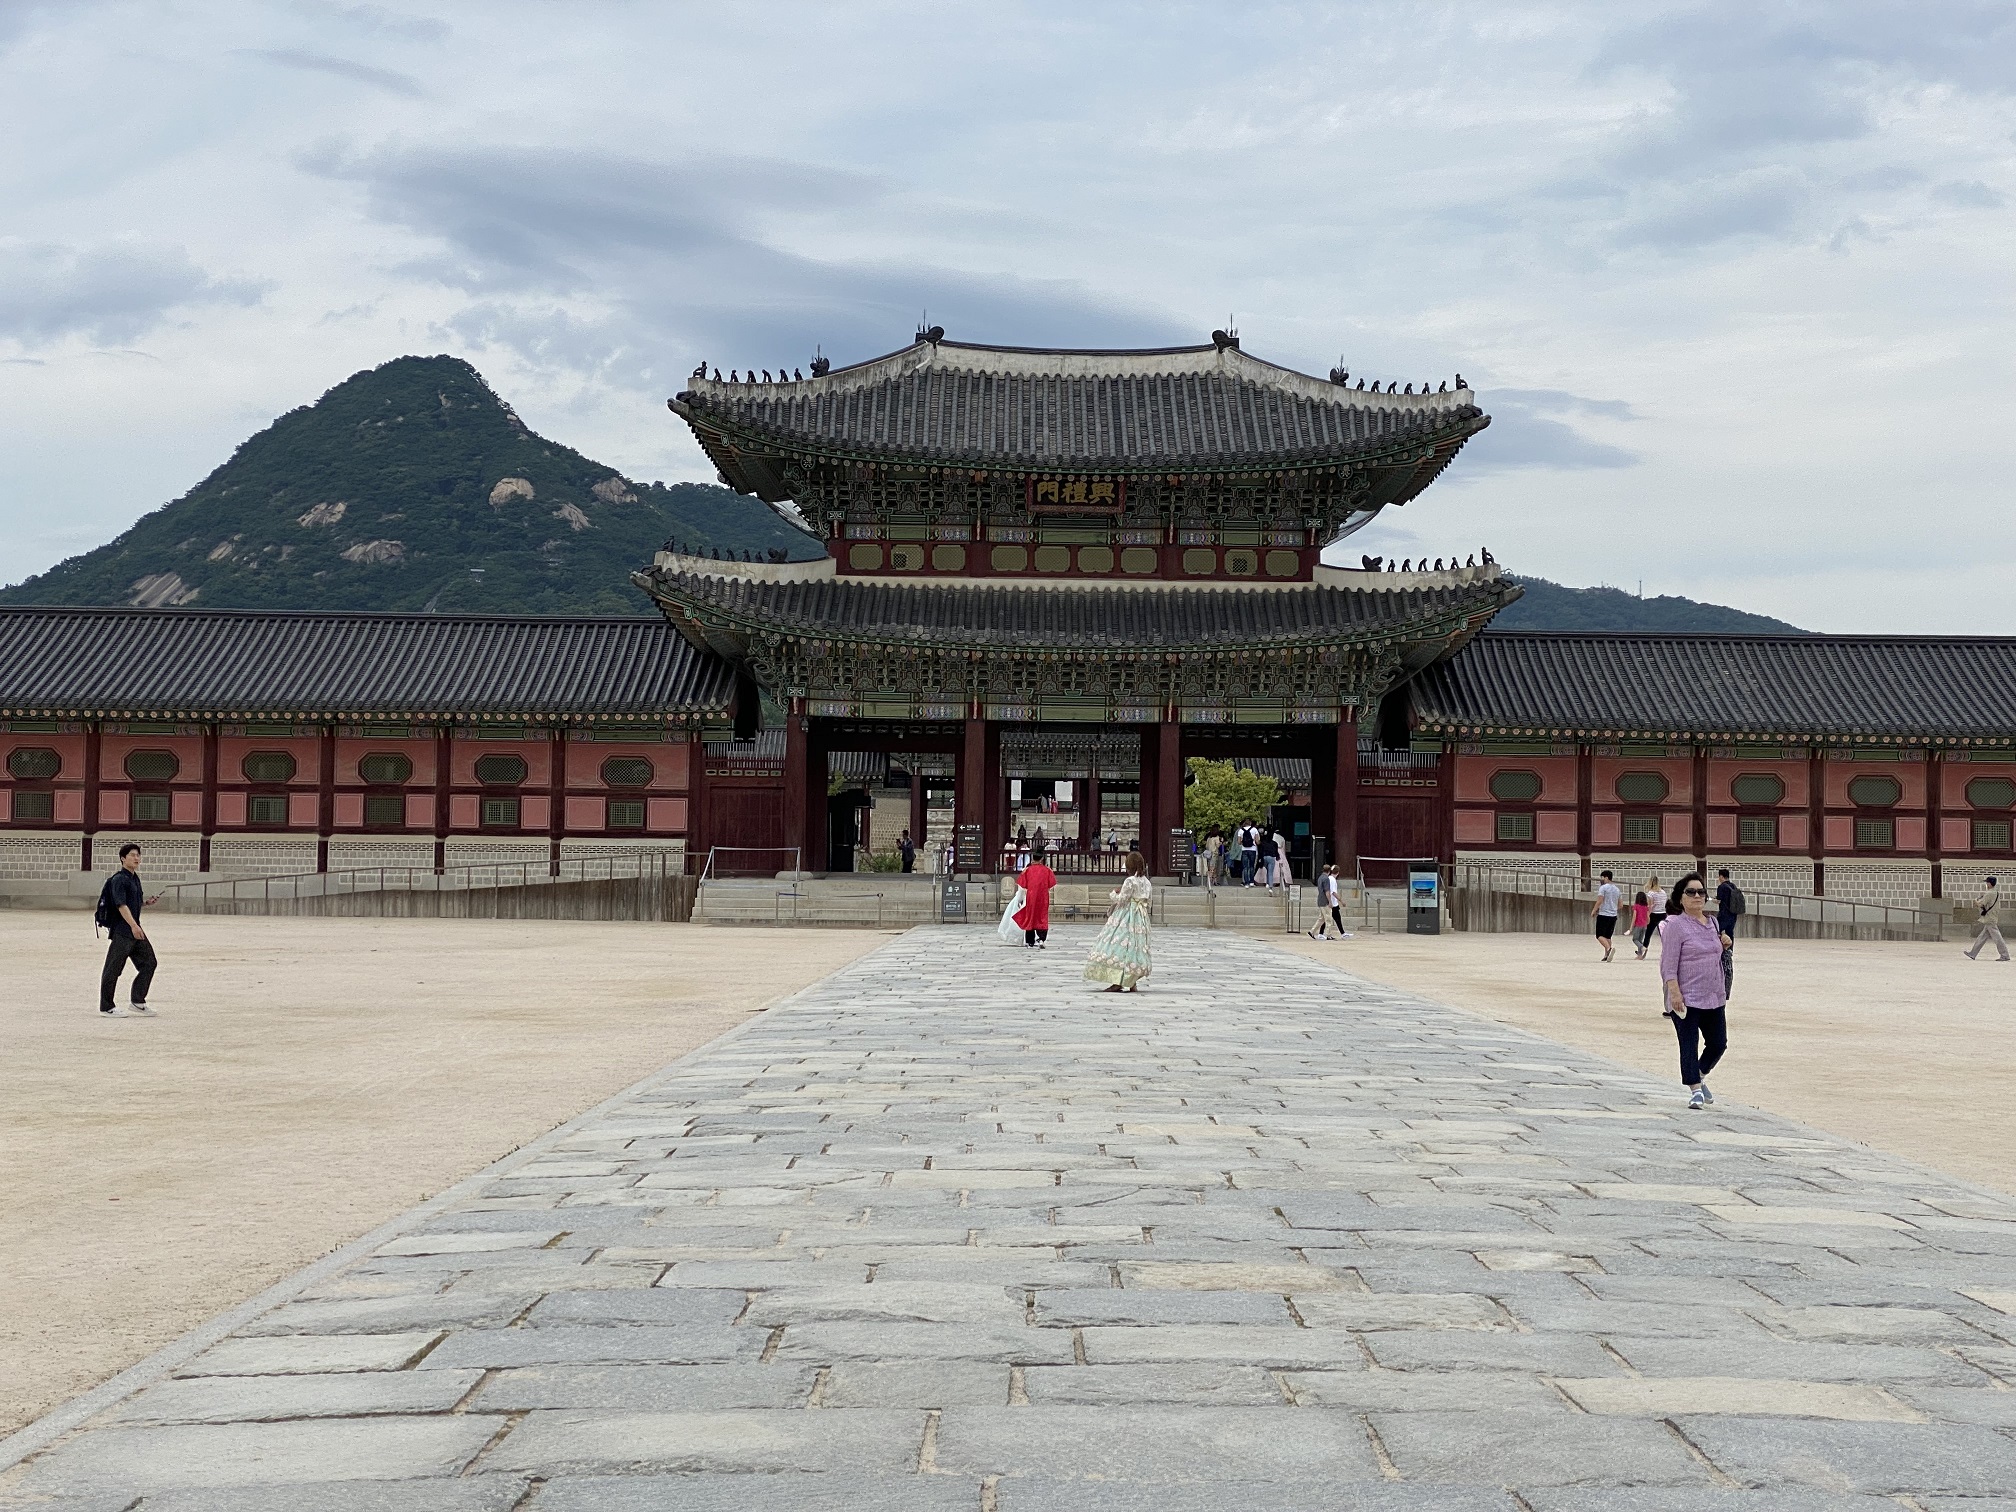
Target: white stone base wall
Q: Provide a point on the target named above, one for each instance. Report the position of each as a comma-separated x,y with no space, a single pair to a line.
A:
261,856
1550,861
1901,884
356,854
39,858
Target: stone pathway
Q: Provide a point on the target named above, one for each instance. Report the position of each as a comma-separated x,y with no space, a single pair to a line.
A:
951,1231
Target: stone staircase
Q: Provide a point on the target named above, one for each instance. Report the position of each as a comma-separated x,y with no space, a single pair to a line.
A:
883,900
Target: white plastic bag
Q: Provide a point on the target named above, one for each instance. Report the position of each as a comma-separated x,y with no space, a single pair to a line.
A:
1009,930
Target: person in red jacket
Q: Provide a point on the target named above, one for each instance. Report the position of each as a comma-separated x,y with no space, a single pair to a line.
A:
1036,880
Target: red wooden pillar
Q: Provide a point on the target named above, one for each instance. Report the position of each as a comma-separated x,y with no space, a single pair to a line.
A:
993,795
1344,795
969,774
94,735
1934,813
920,814
444,753
696,796
1816,816
556,798
1168,796
208,823
1088,809
1585,786
1700,770
325,797
797,802
1149,800
818,807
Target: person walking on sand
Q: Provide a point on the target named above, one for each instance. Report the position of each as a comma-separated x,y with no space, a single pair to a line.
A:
1655,913
1641,929
119,905
1037,882
1690,969
1120,954
1249,852
1604,912
1330,900
1985,926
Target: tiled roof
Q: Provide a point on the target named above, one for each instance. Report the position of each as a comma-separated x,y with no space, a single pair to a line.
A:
246,663
1824,687
991,407
1142,620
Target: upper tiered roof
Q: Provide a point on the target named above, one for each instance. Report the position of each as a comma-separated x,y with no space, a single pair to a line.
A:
941,403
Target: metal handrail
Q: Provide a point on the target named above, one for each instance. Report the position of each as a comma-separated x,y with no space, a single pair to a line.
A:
1809,908
607,866
709,871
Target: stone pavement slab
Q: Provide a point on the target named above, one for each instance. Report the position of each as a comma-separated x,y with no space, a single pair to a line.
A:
950,1230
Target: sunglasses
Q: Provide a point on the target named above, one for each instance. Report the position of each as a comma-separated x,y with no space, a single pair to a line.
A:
1695,892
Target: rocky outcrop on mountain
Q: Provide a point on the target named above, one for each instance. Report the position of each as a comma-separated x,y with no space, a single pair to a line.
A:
411,486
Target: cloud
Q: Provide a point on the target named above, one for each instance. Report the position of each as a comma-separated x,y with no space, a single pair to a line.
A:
377,20
110,293
1526,431
1968,195
586,258
360,73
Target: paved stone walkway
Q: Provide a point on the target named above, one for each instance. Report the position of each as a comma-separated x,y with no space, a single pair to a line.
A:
951,1231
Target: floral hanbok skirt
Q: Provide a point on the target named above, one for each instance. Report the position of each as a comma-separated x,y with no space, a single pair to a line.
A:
1120,954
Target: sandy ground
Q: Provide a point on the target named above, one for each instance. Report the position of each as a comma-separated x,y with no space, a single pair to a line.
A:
306,1079
1910,1048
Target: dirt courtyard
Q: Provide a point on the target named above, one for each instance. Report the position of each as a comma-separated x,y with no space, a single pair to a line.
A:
305,1080
1906,1047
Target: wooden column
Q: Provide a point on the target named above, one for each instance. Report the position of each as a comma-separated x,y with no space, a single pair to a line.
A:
1816,816
1935,812
1585,785
1168,794
556,798
444,752
1344,795
969,774
818,808
920,811
93,754
325,795
696,798
797,805
1149,799
1088,811
993,794
1700,772
208,822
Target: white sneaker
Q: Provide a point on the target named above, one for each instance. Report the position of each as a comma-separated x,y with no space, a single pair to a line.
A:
1706,1095
143,1010
1699,1099
112,1013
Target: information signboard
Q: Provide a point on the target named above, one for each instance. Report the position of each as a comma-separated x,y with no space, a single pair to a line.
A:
969,849
951,902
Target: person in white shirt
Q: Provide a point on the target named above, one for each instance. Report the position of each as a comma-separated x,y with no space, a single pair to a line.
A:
1604,912
1655,913
1330,897
1986,929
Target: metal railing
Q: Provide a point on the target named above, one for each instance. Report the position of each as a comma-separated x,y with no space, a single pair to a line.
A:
1846,915
225,893
747,861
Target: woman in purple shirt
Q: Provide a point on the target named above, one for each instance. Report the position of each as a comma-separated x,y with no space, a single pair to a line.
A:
1690,969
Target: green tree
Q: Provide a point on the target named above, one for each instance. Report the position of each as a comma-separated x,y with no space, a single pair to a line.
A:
1226,795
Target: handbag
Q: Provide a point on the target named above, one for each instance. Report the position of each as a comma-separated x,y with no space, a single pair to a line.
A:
1008,929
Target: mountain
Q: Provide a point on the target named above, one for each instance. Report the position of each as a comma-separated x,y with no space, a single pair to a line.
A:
1549,606
411,486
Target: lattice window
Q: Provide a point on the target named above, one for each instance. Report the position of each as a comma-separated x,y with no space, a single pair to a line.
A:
1991,792
1874,792
1757,831
152,766
266,808
1515,827
500,813
384,811
1875,834
1516,786
1761,789
1989,834
1641,829
500,771
33,763
625,813
387,767
268,766
627,771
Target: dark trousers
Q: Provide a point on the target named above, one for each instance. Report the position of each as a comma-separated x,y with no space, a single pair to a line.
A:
1704,1035
909,860
1033,935
122,949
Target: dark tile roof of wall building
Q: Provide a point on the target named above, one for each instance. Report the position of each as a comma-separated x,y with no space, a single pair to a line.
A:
995,407
1841,688
226,663
1139,619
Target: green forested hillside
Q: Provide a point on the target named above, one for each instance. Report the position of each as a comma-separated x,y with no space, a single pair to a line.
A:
1549,606
411,486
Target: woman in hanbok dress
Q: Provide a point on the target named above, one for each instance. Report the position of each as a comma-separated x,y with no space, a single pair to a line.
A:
1120,955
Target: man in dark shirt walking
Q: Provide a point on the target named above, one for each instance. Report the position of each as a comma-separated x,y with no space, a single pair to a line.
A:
122,900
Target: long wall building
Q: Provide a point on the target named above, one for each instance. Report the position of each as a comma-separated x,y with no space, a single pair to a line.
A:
1073,565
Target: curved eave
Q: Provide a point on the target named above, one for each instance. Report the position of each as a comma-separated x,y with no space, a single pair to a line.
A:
717,626
751,457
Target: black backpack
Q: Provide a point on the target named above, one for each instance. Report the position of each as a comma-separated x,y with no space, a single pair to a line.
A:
105,913
1738,906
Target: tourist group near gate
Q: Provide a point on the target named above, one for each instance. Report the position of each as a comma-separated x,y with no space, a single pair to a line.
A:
1042,566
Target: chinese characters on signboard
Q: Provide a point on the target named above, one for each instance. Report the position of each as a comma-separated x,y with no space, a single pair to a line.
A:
1076,496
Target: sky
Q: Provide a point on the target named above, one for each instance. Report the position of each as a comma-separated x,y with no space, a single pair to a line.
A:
1722,274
